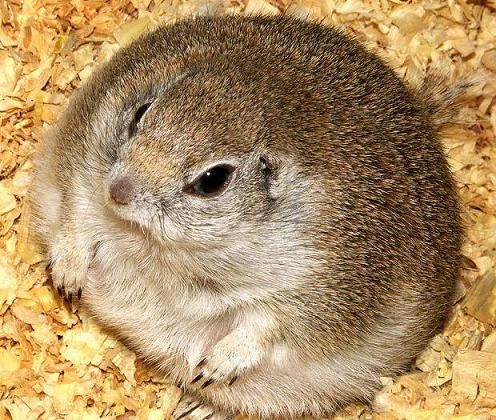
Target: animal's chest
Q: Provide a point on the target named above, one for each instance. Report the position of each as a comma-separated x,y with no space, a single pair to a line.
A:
158,324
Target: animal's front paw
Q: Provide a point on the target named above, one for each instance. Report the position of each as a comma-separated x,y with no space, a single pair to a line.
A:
227,360
68,268
190,408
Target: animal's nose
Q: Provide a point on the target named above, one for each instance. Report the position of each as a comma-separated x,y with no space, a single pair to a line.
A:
122,190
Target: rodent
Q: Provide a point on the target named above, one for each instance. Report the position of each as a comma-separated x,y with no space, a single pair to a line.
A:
259,207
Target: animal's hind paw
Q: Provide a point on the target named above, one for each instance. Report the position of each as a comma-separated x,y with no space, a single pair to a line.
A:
227,361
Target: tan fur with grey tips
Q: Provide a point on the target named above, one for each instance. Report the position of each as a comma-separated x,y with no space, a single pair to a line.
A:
331,258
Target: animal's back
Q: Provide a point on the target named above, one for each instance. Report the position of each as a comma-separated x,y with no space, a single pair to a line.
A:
377,230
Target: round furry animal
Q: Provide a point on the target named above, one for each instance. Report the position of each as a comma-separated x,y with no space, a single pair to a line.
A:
257,206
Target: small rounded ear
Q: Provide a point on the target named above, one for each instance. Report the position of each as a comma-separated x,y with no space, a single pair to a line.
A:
268,168
282,176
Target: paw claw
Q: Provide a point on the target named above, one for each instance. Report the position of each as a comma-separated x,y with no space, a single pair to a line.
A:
193,409
197,378
207,383
186,413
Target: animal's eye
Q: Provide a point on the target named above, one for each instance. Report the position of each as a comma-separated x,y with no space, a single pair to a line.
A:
211,182
133,127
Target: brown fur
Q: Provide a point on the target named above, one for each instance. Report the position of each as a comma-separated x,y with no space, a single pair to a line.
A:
308,284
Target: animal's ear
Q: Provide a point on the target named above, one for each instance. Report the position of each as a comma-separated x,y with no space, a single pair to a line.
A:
441,98
268,166
279,175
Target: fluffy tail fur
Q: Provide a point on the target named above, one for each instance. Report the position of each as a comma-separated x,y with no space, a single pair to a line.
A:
441,99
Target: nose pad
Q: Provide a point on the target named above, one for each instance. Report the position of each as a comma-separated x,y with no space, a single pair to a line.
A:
122,190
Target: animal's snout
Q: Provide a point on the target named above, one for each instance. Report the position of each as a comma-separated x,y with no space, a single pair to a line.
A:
122,190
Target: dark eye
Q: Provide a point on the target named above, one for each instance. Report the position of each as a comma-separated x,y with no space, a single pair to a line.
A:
212,182
133,127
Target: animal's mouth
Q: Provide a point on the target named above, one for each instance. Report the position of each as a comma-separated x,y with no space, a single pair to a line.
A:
138,217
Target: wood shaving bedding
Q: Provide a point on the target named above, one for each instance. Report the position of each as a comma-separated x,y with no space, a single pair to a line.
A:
56,363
